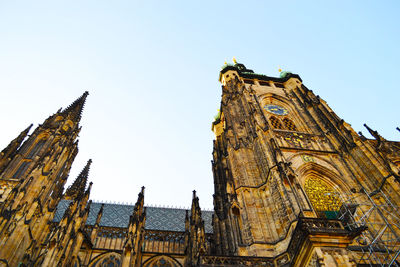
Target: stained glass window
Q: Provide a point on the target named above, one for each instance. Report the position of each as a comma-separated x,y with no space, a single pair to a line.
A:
323,196
276,124
111,261
161,262
289,124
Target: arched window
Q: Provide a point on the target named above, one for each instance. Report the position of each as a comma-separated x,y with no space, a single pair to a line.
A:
289,124
110,261
324,198
22,168
275,123
161,261
38,146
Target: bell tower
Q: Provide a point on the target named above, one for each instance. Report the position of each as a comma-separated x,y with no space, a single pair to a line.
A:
282,161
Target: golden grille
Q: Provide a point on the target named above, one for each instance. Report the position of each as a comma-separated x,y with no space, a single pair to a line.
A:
276,124
323,197
289,124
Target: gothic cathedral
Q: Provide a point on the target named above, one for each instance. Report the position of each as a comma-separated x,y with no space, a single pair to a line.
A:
294,185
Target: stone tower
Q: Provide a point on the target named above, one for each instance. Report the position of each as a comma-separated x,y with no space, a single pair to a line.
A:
32,176
285,168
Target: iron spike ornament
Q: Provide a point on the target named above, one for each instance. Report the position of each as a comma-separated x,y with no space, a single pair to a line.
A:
275,109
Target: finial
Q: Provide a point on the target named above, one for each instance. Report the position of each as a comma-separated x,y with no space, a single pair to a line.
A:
398,129
279,70
234,60
225,63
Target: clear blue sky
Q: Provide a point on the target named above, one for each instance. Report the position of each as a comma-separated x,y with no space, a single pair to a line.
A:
151,68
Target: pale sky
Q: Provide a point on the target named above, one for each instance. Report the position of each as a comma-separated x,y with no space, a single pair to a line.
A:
151,68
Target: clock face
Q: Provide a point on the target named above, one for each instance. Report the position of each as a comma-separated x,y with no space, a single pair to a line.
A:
275,109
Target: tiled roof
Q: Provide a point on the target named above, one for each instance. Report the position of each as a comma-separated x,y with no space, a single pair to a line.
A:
117,215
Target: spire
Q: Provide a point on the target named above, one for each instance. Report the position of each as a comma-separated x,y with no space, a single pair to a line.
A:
140,201
74,111
99,214
195,243
14,144
9,152
194,194
77,188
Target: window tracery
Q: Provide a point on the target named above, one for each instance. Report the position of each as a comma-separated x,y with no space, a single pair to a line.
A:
161,261
275,123
279,117
324,198
289,124
110,261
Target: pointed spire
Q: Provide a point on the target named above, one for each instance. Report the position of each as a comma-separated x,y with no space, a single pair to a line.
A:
99,214
11,150
77,188
139,210
195,243
140,201
74,111
14,144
